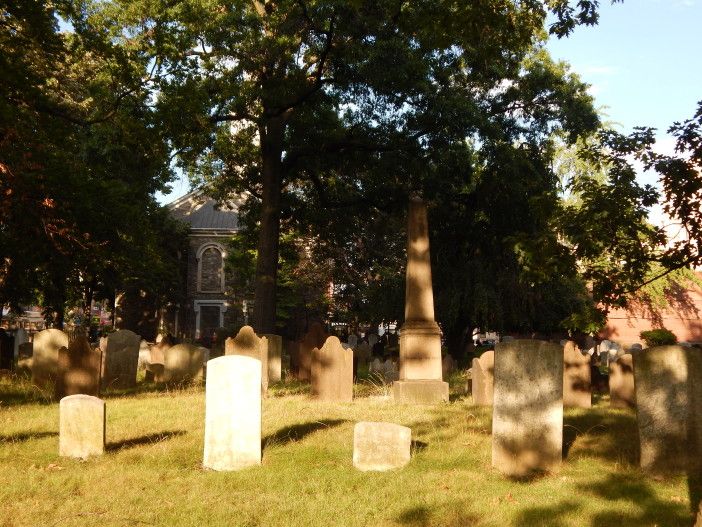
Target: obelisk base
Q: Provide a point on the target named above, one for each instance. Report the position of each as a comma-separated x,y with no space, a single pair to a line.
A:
420,365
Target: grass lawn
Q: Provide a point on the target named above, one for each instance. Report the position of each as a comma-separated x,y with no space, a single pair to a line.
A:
152,474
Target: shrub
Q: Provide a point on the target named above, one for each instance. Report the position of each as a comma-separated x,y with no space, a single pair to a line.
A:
658,337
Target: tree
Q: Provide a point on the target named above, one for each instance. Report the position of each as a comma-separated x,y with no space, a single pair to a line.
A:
255,92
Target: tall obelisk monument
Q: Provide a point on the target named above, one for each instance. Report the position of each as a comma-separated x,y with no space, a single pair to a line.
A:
420,338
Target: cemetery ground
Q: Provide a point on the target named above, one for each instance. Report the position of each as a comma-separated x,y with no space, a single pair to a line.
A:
152,471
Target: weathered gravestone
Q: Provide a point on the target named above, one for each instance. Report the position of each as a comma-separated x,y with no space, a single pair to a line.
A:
381,446
668,400
275,354
182,364
248,344
81,426
621,383
361,356
332,372
447,366
157,358
577,392
421,381
78,369
233,413
24,357
45,354
482,377
314,338
120,356
527,418
20,338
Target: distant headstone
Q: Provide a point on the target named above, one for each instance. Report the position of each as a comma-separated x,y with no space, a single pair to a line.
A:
248,344
447,365
483,378
332,372
577,391
380,446
78,369
353,340
182,364
376,367
46,346
81,426
373,339
275,353
314,338
120,356
220,336
527,418
233,413
668,397
621,383
20,338
390,371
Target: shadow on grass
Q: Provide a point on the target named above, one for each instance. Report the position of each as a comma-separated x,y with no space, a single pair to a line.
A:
601,434
613,489
293,433
417,446
25,436
143,440
422,516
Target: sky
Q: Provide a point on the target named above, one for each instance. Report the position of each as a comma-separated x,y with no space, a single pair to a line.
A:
643,62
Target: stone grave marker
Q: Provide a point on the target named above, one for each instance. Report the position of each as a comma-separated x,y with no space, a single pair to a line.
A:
275,354
182,364
248,344
380,446
78,369
577,390
314,338
621,383
332,372
527,418
45,355
233,413
120,356
482,377
668,387
81,426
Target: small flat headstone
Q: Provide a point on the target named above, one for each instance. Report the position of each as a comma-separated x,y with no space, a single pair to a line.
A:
233,413
381,446
81,426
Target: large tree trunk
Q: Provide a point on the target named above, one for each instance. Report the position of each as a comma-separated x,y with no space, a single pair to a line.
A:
263,318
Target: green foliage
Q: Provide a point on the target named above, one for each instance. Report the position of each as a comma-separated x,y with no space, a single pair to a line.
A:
658,337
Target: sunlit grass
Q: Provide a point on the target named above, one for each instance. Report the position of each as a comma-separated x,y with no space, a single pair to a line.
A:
152,474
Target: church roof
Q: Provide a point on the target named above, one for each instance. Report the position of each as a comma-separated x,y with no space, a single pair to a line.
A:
204,213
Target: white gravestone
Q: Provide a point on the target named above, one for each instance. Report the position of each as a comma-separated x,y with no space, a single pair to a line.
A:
81,426
233,413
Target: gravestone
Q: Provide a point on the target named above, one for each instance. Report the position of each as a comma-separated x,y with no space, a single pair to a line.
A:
314,338
577,391
353,340
233,413
447,366
81,426
527,418
275,353
182,364
20,338
45,355
332,372
482,378
120,356
78,369
376,367
621,383
421,381
361,355
381,446
248,344
668,387
390,371
220,337
157,358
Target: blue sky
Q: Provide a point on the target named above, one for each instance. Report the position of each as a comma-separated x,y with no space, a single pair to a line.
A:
643,62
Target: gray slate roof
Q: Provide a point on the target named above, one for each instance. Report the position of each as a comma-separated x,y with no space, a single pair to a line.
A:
202,212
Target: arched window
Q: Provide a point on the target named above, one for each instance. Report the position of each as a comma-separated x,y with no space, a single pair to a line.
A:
210,268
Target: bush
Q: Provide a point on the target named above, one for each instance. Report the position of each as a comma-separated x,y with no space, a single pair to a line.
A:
658,337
